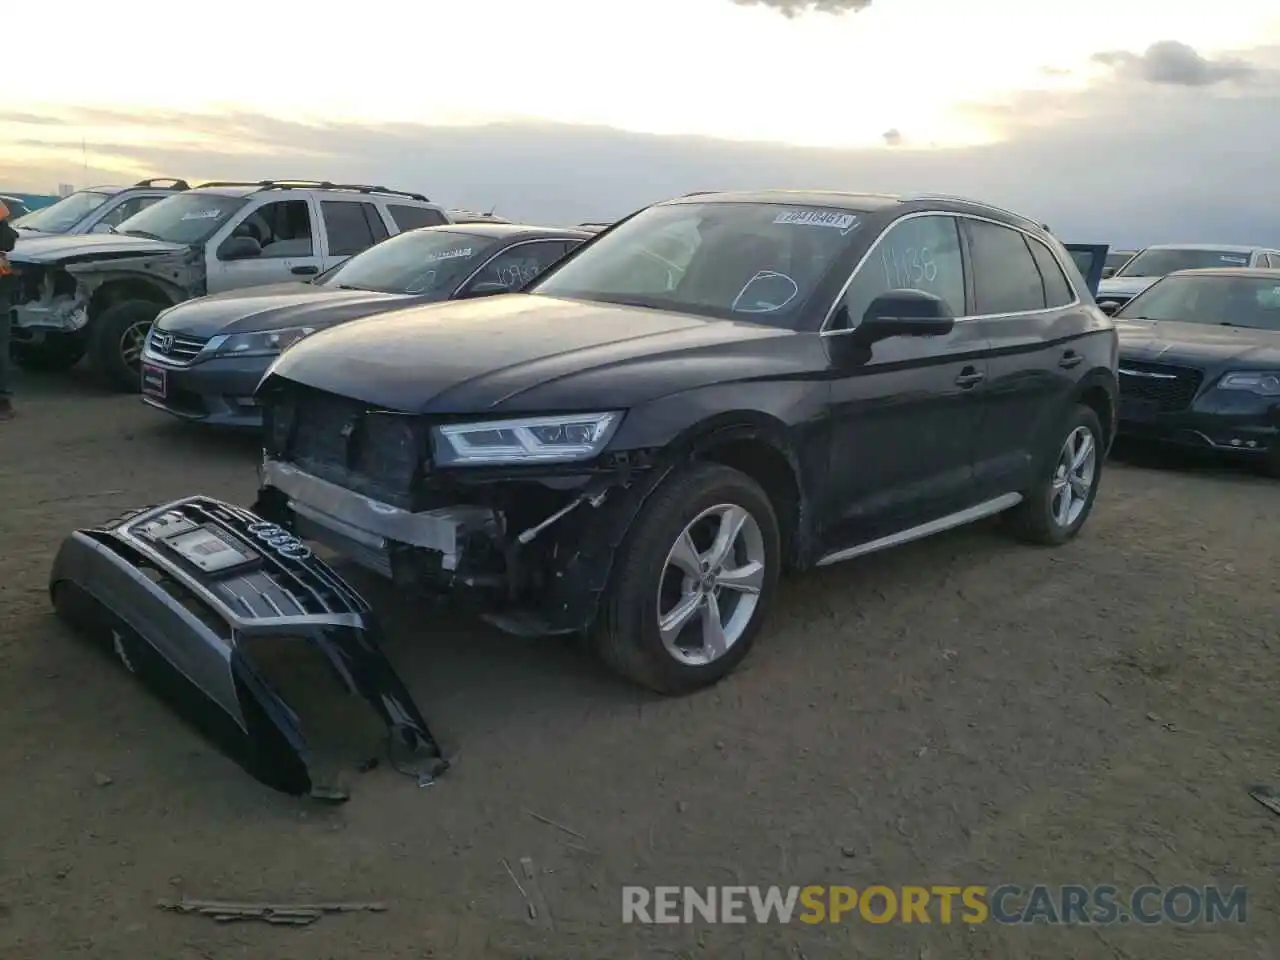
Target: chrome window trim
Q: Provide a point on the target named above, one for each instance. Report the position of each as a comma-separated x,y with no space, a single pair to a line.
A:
956,215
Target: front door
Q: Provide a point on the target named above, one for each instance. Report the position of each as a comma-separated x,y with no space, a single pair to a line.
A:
285,232
1090,259
904,411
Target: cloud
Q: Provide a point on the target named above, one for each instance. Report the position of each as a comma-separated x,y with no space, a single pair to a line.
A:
797,8
1176,64
892,137
1124,160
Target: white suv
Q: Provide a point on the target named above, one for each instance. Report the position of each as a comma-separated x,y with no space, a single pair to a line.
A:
99,293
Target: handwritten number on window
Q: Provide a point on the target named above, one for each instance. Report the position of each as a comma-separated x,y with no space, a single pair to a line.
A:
908,267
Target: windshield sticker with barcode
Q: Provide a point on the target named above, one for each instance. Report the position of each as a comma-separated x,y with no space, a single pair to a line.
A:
448,255
818,218
202,215
1239,261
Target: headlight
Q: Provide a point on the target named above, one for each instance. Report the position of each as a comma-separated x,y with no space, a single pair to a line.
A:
266,343
564,439
1265,383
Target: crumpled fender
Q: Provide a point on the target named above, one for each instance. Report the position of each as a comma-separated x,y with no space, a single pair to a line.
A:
178,275
183,630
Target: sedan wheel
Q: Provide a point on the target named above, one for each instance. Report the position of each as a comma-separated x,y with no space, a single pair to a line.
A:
710,585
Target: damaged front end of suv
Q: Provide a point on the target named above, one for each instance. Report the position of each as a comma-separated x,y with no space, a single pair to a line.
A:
527,545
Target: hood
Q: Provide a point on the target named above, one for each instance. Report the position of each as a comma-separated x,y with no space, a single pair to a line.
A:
55,247
1124,286
274,307
1197,344
524,352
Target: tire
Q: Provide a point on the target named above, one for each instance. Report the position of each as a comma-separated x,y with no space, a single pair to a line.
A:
113,339
54,355
627,636
1035,520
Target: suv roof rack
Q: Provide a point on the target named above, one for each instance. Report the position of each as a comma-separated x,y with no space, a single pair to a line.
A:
315,185
177,184
977,203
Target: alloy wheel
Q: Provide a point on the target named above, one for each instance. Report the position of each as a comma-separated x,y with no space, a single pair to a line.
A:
1073,476
710,584
131,343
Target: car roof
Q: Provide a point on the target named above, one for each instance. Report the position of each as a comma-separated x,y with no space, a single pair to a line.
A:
868,203
1255,273
1225,247
504,231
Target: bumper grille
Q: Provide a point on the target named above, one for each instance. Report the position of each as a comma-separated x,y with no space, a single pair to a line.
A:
1170,387
175,347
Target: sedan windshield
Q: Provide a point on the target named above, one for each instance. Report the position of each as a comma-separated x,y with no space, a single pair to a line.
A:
1242,301
759,262
65,214
418,262
187,218
1157,263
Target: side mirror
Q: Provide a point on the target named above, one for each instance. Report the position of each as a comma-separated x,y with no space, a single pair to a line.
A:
487,289
1109,307
1108,273
239,248
906,313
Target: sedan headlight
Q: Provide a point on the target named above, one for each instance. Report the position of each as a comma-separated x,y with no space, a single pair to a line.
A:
1265,383
265,343
563,439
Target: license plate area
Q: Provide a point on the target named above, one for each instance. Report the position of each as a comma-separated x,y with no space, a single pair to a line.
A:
155,381
1138,408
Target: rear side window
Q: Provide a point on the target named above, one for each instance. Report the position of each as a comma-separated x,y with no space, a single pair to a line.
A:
1005,276
350,226
1057,291
411,218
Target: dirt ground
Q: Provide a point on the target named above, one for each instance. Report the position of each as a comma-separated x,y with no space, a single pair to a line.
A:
963,710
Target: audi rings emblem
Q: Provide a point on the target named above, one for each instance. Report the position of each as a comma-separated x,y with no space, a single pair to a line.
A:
285,544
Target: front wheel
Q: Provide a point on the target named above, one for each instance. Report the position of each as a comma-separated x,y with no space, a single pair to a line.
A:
116,339
1054,510
693,581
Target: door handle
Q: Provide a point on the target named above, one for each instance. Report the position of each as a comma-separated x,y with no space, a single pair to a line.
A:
1070,359
968,377
305,271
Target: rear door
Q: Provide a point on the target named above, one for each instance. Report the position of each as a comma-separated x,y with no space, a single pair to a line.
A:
1090,260
350,227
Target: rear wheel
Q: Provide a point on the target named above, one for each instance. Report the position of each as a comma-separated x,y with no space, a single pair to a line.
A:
692,583
52,355
1054,510
116,339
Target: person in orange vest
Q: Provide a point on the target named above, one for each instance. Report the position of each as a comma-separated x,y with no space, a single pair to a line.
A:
8,237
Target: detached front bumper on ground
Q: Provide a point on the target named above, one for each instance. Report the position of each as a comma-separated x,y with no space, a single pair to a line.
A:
179,591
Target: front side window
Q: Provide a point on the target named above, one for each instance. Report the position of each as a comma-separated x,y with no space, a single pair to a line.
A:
282,229
520,264
916,253
1214,300
1158,262
127,209
417,263
757,262
66,213
187,218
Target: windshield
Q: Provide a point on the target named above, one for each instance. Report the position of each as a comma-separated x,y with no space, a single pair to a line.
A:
1157,263
745,261
1244,301
430,260
187,218
66,213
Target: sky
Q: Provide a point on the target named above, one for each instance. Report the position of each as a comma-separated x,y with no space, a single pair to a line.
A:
1120,121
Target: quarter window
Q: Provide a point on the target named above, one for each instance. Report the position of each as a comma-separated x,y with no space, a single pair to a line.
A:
1057,291
1005,276
410,218
920,253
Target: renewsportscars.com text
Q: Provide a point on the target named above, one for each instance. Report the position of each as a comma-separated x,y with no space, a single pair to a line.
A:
1006,904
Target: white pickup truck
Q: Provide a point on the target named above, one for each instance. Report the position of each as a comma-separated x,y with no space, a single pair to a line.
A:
98,294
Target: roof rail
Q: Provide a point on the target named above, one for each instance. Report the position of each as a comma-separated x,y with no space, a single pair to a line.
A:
977,203
177,184
315,185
